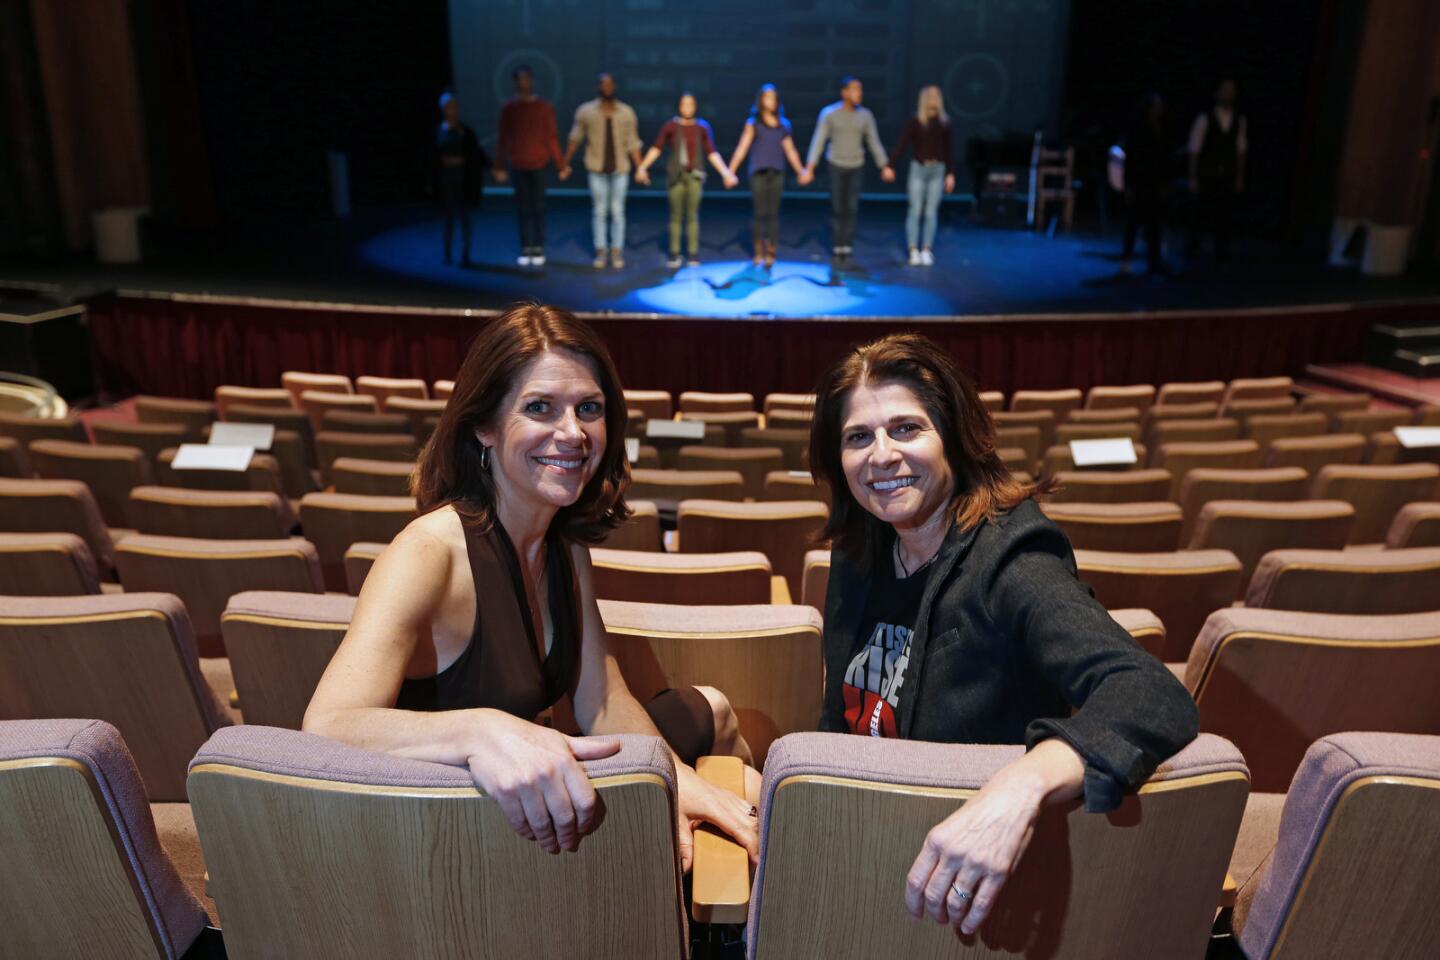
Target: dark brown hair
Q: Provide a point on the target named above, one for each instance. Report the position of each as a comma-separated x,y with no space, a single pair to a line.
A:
449,466
983,485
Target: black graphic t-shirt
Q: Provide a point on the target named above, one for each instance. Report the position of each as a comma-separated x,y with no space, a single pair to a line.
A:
877,670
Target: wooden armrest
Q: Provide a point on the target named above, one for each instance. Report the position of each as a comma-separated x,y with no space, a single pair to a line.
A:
720,888
780,591
1229,893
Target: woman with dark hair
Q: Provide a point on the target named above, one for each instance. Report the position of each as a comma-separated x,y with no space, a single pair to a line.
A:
954,614
1149,168
769,140
481,615
692,145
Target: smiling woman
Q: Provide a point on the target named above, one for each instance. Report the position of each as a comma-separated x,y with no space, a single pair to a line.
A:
953,614
481,615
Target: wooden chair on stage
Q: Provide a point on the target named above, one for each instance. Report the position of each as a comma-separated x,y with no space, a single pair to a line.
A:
1052,178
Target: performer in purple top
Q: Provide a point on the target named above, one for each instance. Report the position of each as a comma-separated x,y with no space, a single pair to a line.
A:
691,143
767,137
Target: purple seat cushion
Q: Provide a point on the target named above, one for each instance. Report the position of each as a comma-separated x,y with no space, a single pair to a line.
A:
1331,764
177,914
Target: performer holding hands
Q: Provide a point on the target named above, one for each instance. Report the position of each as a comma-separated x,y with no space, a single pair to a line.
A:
768,139
692,142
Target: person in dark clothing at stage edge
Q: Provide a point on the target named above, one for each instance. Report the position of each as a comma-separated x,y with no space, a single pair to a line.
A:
528,143
459,167
1217,149
844,131
1149,156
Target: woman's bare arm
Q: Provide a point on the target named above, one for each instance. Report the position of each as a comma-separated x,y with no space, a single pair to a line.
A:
747,136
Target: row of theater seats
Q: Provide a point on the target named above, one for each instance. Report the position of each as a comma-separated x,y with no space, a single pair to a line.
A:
278,811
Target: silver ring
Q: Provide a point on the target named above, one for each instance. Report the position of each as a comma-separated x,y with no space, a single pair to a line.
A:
962,894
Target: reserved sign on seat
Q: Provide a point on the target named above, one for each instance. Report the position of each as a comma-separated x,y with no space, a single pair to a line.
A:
1102,453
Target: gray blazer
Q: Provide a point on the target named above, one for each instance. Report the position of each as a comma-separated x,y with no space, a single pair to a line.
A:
1007,643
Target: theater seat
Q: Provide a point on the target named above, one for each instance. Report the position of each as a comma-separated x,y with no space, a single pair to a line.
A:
1274,681
993,400
1366,422
1102,486
1267,427
297,382
1061,459
651,404
1207,430
333,521
767,659
1182,588
194,415
783,531
24,430
361,421
790,485
794,444
57,506
687,578
383,388
1140,396
46,565
640,532
128,660
205,574
1246,410
699,401
420,414
731,423
752,463
816,579
110,472
368,820
282,418
228,396
796,402
1353,869
1377,493
375,478
666,488
263,473
316,402
1191,392
1165,412
211,514
359,558
1252,528
14,464
1059,402
442,389
1331,404
332,445
1312,453
1181,458
1205,484
1258,388
151,438
279,645
1066,432
87,872
1347,581
1042,419
1141,527
1415,525
1138,882
1107,414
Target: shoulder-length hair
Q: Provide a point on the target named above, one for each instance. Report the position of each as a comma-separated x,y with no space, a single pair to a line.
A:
942,116
449,470
756,110
984,487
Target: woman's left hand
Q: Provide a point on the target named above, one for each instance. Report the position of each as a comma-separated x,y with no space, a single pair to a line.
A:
697,801
973,851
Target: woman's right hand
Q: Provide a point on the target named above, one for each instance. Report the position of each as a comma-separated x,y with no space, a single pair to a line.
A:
534,773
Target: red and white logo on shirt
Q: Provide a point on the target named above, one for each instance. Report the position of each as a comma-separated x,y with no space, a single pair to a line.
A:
873,680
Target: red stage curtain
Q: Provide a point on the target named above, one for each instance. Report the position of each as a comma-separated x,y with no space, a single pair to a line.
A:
187,347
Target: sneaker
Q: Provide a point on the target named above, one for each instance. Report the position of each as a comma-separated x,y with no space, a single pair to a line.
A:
537,260
523,260
599,262
693,262
617,259
927,259
673,263
915,260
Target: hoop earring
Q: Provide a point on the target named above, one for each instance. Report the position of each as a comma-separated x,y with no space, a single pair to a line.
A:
484,458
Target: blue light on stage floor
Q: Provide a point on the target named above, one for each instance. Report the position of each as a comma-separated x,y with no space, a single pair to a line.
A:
788,289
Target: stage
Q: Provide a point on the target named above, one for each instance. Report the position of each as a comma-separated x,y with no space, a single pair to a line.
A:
392,256
1018,308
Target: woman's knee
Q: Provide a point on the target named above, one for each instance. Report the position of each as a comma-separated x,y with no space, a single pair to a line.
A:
727,727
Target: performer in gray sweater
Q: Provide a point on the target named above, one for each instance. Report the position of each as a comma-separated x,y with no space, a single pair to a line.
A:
844,131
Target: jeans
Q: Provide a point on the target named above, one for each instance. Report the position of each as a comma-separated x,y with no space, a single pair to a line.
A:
530,208
845,185
765,189
685,211
452,199
925,184
607,204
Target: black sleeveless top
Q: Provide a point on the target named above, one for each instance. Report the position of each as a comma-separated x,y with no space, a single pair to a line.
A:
501,667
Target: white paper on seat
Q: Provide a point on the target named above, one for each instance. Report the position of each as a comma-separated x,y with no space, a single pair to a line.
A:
1412,438
257,435
675,429
632,449
1100,453
205,456
797,474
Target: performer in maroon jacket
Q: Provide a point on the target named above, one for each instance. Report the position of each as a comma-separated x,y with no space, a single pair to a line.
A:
528,143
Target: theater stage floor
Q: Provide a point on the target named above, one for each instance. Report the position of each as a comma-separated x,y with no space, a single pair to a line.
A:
393,256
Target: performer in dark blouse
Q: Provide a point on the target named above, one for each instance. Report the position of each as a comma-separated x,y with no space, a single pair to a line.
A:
459,167
927,133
